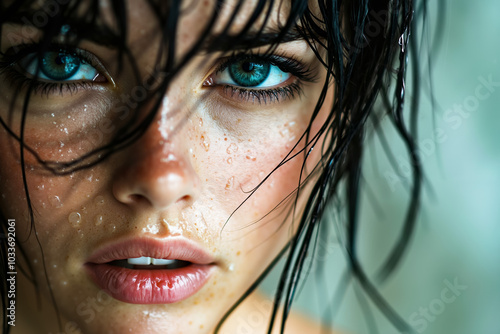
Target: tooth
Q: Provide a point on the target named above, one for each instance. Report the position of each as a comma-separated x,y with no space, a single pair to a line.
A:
143,260
161,262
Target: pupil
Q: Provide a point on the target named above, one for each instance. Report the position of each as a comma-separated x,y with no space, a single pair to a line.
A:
60,60
247,67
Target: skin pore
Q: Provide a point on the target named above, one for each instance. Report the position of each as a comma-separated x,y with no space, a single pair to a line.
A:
208,146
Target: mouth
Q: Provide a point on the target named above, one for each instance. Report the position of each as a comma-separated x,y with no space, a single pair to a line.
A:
150,263
151,271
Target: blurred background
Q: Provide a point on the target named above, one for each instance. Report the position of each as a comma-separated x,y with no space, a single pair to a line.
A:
449,279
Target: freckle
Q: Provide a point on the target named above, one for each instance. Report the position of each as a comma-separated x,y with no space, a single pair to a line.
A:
225,139
238,253
190,322
74,218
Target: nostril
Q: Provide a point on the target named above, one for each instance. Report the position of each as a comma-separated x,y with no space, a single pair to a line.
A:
185,198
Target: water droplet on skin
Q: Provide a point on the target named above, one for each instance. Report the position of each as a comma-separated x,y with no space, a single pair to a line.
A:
201,121
99,200
230,183
54,265
205,142
229,160
40,186
64,283
231,267
98,220
75,218
55,201
233,148
249,157
35,261
111,228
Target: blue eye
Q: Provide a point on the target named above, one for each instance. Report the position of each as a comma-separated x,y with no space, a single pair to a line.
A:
59,66
251,73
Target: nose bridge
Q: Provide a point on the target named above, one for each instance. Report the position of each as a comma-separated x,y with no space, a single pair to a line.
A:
158,168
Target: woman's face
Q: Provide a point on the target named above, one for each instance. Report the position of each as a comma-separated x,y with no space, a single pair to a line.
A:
180,192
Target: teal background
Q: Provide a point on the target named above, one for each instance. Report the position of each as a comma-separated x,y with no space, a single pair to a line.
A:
458,231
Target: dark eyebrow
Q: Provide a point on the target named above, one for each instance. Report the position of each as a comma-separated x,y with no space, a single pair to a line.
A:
218,43
97,33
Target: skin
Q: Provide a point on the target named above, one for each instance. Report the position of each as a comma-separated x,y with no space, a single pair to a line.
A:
182,179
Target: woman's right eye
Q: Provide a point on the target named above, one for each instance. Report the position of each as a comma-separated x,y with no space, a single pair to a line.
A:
60,66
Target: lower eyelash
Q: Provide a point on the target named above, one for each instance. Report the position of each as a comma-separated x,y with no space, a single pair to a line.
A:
21,82
264,95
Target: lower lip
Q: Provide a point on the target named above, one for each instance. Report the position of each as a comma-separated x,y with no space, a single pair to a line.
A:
160,286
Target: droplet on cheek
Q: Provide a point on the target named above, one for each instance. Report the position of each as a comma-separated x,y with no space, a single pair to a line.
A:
230,183
98,220
205,142
75,218
111,228
99,200
229,160
55,201
233,148
251,157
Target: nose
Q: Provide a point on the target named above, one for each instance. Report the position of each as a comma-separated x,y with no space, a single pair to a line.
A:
156,171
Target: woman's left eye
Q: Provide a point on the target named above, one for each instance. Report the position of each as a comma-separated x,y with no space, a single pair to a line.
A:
59,66
250,73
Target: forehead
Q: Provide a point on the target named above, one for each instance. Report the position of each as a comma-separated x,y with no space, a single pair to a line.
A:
230,17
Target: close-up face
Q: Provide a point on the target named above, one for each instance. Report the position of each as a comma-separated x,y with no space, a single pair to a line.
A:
168,231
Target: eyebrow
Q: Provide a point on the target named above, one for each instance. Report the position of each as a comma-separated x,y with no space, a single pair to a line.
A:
225,42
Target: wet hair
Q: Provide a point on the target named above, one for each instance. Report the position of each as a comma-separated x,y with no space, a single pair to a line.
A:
364,47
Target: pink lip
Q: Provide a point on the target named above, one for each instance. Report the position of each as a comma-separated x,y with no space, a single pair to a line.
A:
158,286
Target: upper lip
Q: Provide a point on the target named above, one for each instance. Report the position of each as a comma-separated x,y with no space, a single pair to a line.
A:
170,248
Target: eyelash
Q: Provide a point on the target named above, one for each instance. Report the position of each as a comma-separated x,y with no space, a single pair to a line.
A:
10,59
296,68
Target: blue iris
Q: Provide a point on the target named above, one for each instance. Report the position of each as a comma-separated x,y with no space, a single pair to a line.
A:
249,73
60,65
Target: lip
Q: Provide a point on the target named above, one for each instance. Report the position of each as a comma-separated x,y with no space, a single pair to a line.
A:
156,286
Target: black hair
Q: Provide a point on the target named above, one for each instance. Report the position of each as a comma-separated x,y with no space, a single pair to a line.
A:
364,47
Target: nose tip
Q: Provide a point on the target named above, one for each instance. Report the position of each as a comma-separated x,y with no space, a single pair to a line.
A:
159,181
